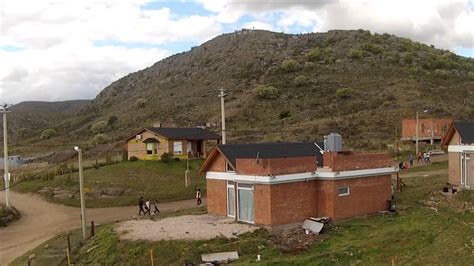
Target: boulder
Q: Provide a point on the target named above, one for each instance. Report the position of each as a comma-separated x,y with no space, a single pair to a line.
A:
114,191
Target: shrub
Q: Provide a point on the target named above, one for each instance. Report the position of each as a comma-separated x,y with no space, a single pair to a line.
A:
373,48
408,58
48,133
99,127
393,57
355,53
344,93
166,157
112,121
301,80
284,114
470,75
308,66
141,103
440,73
133,159
100,138
314,54
267,92
289,65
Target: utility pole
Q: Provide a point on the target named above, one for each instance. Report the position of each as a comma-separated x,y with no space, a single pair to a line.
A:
81,191
416,134
222,95
186,173
5,156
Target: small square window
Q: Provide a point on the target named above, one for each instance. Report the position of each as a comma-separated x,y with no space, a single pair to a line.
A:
343,191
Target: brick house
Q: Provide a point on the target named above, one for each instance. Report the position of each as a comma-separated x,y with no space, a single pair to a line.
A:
285,183
151,142
432,128
460,143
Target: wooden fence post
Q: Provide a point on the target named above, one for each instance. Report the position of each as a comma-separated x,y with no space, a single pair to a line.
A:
151,257
92,229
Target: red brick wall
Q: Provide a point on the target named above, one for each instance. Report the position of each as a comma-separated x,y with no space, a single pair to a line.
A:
218,164
276,166
293,202
344,161
217,197
262,208
367,195
440,126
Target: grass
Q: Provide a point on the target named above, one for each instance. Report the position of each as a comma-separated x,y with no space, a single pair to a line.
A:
151,179
434,166
8,215
416,234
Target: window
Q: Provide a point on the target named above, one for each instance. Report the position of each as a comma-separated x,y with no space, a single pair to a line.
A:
178,147
228,167
151,148
343,191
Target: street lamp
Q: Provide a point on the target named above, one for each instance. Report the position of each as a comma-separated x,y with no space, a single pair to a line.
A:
81,191
416,133
4,111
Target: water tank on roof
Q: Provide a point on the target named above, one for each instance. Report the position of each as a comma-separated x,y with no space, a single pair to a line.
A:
333,142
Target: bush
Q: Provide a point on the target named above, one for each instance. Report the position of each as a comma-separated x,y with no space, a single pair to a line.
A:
166,157
373,48
100,138
393,57
308,66
355,53
133,159
99,127
314,54
470,75
267,92
289,65
301,80
344,93
112,121
408,58
440,73
141,103
284,114
48,133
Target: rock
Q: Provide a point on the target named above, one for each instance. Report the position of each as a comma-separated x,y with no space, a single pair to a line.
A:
114,191
32,256
63,194
106,197
46,246
128,192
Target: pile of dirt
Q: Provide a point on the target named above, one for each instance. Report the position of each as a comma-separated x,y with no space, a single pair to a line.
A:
295,240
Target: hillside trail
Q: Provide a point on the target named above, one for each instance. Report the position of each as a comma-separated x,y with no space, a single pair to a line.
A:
42,220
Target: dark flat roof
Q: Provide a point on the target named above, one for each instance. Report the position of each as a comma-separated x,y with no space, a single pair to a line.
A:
465,130
184,133
271,150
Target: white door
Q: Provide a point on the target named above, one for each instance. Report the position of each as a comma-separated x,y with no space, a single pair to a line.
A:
465,169
245,203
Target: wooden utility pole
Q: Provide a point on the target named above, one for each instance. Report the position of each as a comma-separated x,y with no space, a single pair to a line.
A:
81,191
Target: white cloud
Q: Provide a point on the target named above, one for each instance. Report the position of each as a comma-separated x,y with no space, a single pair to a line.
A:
58,59
258,25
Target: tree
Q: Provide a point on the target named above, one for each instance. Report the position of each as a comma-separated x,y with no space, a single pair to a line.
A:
47,133
100,138
99,127
112,122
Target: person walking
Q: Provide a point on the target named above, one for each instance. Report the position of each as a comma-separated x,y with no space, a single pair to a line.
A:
411,161
156,210
428,155
425,160
147,206
419,157
141,202
198,197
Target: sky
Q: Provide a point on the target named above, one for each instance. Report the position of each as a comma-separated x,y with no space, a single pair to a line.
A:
54,50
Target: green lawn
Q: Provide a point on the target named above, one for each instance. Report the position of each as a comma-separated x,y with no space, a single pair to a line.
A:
152,179
416,234
428,167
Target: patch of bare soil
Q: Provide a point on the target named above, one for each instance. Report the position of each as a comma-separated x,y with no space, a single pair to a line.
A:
448,200
295,240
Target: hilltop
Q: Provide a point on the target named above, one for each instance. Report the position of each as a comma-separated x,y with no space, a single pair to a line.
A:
287,87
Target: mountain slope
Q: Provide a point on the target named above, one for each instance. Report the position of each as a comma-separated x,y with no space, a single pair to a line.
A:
290,87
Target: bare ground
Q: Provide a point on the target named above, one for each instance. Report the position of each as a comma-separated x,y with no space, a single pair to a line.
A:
186,227
42,220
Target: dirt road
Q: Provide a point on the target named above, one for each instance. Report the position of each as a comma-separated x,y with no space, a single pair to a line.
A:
42,220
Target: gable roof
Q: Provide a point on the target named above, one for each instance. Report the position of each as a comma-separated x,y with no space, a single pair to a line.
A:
465,130
232,152
181,133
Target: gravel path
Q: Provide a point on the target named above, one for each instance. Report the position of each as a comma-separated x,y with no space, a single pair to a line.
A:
42,220
186,227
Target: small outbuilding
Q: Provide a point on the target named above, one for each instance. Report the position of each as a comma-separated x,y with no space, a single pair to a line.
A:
460,143
151,142
285,183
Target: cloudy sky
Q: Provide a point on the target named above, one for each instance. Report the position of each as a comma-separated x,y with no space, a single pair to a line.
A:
62,50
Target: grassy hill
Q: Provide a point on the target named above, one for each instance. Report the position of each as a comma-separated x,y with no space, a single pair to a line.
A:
287,87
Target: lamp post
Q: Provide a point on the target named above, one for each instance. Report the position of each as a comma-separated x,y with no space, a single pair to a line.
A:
81,191
416,133
4,111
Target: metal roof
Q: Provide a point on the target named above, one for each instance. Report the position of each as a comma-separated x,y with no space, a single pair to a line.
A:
271,150
465,130
184,133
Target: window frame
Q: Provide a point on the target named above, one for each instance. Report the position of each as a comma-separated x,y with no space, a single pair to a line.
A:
175,152
228,168
345,193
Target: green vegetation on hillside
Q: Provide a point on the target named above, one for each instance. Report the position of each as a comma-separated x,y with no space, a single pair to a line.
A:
151,179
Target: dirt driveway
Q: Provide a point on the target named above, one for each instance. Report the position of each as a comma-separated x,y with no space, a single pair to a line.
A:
42,220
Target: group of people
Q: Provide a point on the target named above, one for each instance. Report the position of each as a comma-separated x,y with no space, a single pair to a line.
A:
144,206
422,157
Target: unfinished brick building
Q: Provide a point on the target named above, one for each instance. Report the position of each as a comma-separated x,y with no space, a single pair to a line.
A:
285,183
431,129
